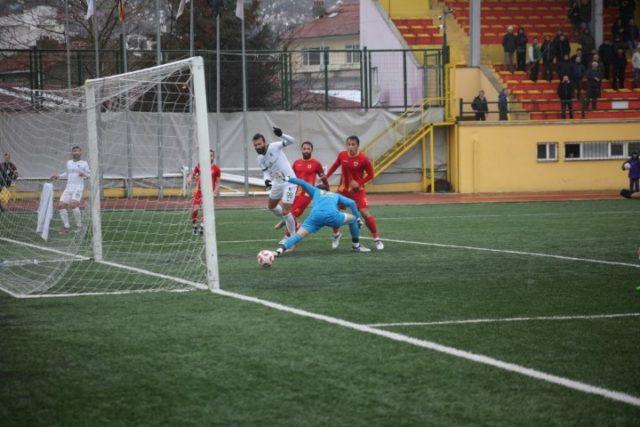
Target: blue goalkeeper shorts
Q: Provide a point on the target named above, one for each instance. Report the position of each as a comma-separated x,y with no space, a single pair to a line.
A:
316,220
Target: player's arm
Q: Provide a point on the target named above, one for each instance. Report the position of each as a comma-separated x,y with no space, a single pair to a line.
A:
286,139
321,175
59,175
333,167
85,172
369,173
266,175
310,189
345,201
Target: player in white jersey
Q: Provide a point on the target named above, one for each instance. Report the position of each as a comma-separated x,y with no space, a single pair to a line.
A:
275,166
77,171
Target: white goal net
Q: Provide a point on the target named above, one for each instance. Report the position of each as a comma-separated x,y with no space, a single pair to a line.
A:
121,221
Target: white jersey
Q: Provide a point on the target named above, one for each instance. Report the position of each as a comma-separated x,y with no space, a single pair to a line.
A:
74,180
274,164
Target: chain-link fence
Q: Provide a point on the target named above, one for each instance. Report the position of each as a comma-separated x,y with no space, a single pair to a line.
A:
312,79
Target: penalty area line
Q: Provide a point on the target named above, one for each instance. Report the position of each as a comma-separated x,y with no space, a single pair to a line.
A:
473,357
507,251
507,319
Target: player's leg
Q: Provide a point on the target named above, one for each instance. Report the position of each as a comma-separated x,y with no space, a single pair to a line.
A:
337,234
354,229
289,194
74,205
292,240
63,204
195,209
361,200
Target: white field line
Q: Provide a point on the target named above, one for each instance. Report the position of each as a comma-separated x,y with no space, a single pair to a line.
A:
401,218
508,319
506,251
477,358
43,248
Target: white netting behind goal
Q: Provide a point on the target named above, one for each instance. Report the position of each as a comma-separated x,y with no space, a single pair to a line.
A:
145,129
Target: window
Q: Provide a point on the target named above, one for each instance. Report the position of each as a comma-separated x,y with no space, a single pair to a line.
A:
633,147
353,53
595,150
547,151
314,56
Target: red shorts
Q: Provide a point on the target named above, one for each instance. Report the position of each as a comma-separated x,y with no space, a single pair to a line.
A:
300,203
197,199
360,197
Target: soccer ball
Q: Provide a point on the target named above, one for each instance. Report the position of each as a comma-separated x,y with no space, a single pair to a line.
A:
265,258
627,166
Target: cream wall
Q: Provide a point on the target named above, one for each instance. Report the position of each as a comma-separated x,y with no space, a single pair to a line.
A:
495,158
468,82
402,9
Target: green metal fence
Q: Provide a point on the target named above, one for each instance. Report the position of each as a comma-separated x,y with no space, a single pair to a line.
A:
277,80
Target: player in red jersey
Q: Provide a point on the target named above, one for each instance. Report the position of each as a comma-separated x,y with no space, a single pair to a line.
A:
196,202
306,168
356,172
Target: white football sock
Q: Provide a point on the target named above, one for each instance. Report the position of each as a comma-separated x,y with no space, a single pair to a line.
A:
64,214
277,211
291,223
77,215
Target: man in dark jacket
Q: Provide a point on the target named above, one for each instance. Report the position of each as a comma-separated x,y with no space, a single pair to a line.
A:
631,34
561,49
606,53
547,57
627,9
565,93
617,29
521,49
563,67
593,87
587,43
576,73
509,47
503,104
480,106
619,67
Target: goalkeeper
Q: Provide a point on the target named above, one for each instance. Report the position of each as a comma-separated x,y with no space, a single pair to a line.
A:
325,213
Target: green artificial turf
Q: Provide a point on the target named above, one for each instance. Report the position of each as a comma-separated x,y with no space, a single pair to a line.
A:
203,359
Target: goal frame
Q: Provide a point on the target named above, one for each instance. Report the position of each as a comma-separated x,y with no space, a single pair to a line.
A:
196,65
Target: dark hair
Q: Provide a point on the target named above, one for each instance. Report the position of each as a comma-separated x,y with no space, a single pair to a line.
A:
307,143
323,186
258,136
75,147
355,138
211,150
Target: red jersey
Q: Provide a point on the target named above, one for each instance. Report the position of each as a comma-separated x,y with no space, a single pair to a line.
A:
356,168
215,176
307,170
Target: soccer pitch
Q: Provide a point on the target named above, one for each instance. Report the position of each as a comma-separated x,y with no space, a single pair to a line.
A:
501,314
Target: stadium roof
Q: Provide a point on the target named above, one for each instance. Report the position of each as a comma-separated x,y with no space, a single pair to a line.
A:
341,20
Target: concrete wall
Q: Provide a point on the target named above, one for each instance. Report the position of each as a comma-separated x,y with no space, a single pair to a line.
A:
502,157
468,82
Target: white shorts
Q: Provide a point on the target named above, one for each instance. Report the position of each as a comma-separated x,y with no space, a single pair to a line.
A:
285,192
71,194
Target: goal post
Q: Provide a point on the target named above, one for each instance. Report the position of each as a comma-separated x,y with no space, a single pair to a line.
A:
133,229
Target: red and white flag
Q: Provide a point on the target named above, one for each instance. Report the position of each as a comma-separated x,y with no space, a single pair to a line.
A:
91,8
183,3
121,12
240,9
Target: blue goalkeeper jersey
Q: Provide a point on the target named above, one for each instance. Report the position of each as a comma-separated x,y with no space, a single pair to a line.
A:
325,203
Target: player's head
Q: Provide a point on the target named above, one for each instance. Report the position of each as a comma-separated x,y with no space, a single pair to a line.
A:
353,145
323,186
76,153
307,149
7,157
634,155
259,143
212,155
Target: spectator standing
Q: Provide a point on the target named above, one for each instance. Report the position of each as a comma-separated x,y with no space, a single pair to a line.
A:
565,93
594,86
635,61
587,43
606,53
521,49
576,73
585,12
619,67
547,58
617,29
535,54
480,106
561,49
634,172
631,34
627,9
503,104
573,57
564,67
509,47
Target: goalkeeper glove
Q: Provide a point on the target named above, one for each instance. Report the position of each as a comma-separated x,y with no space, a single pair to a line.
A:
267,183
277,131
